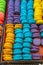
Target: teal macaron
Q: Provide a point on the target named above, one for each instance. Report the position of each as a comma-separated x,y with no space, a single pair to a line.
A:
28,39
41,34
17,46
17,57
27,44
26,50
28,34
26,30
18,40
17,51
27,57
26,26
20,35
17,31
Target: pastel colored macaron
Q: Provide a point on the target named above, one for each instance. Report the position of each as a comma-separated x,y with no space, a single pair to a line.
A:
28,34
27,57
26,44
42,41
17,46
34,26
15,51
36,35
41,34
1,16
17,57
18,40
36,41
26,50
34,50
19,35
28,40
18,31
26,30
34,30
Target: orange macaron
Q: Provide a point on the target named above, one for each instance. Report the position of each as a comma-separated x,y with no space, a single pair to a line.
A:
1,16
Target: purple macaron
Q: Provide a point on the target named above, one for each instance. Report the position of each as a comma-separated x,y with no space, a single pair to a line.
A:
34,47
41,30
34,26
34,30
34,50
41,26
36,41
17,6
42,42
36,58
36,35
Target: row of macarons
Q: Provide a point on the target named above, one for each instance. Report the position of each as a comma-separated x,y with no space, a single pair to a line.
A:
38,7
13,11
8,43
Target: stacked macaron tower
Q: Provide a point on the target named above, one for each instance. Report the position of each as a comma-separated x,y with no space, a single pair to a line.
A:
30,12
36,41
8,43
16,11
23,12
9,34
10,11
2,10
27,42
38,7
18,42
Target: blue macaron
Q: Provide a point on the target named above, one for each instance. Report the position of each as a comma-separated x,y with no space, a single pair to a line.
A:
17,57
26,26
17,51
18,40
28,40
26,50
41,34
19,35
28,34
25,30
27,57
26,44
17,46
17,31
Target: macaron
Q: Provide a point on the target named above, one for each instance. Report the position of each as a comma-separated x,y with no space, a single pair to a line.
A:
42,41
36,41
26,26
26,50
34,26
36,35
41,34
18,31
36,58
28,40
20,35
18,26
18,40
26,44
28,34
34,30
40,26
26,30
17,57
1,16
27,57
17,46
34,50
15,51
